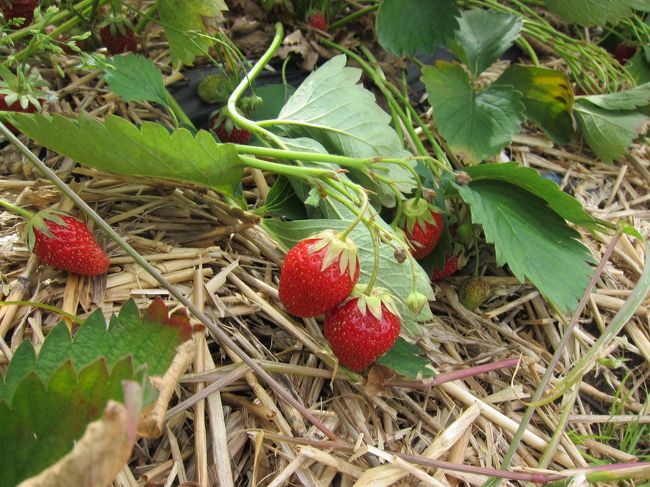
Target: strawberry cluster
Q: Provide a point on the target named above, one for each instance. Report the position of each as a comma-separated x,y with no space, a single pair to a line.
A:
319,277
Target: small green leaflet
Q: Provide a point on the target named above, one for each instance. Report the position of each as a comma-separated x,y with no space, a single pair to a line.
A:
117,145
406,26
282,201
608,132
592,12
45,417
135,78
482,36
476,125
406,359
547,96
392,276
532,239
188,25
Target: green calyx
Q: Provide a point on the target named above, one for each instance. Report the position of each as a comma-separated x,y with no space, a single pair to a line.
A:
417,211
23,87
37,222
416,301
345,250
374,301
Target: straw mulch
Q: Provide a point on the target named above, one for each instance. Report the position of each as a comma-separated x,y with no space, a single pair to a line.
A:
242,433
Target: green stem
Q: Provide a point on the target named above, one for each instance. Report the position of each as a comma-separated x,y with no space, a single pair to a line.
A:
353,16
288,170
361,164
375,266
17,209
177,112
239,119
360,214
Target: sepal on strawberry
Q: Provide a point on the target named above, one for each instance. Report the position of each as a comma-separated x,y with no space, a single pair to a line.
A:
318,273
118,35
422,225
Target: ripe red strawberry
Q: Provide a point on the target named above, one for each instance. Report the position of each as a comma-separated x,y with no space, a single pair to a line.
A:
422,225
318,21
66,243
451,266
118,38
15,106
13,9
318,273
624,52
362,329
232,134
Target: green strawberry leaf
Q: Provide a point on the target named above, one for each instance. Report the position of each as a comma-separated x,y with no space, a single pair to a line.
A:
476,125
135,78
332,108
188,24
151,341
46,417
393,276
608,132
532,239
547,96
529,180
406,26
283,202
637,97
592,12
482,36
117,145
407,360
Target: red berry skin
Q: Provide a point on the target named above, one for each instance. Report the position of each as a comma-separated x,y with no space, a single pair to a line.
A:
118,43
307,291
12,9
318,21
357,338
72,247
235,136
624,52
451,266
425,240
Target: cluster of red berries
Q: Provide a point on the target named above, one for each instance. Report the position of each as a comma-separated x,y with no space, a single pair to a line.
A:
319,276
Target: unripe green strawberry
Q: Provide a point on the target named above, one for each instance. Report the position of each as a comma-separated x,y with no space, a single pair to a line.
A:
214,88
362,328
474,293
318,273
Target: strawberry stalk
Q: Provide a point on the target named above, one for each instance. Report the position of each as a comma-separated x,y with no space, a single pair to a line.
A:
17,210
288,170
